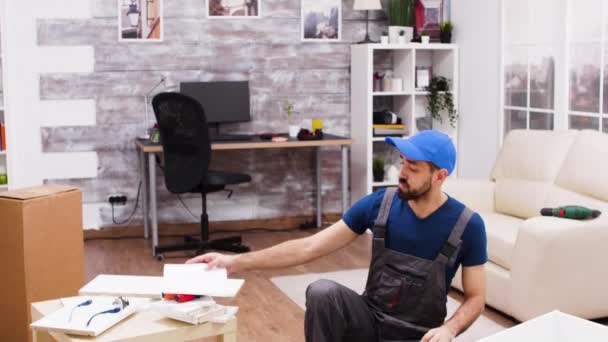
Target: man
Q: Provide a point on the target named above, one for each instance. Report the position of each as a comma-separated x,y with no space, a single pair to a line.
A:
428,236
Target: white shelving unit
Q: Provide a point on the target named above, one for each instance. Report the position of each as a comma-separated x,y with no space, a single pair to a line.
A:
3,154
409,104
3,165
3,157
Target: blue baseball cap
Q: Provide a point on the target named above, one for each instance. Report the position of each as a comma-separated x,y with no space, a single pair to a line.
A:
430,145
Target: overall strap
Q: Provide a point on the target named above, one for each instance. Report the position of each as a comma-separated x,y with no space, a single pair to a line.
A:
385,208
449,250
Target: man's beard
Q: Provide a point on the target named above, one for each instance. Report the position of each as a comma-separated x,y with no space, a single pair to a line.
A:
413,194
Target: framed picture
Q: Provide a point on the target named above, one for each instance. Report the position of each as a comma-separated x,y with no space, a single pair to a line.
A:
321,20
428,16
231,9
423,77
140,20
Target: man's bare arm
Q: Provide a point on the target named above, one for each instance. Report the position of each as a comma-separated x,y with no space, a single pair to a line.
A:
299,251
289,253
474,287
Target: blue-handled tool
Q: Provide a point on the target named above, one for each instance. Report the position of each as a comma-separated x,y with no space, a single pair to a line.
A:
85,303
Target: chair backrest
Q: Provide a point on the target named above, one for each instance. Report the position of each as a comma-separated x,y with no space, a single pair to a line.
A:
184,135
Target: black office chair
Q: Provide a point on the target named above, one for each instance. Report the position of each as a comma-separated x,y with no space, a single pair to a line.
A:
184,135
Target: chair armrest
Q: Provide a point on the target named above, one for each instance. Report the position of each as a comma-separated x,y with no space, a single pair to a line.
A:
560,264
477,194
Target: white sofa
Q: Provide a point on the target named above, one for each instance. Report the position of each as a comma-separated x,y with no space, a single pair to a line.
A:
539,264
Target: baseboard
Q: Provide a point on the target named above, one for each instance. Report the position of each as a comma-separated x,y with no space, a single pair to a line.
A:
278,224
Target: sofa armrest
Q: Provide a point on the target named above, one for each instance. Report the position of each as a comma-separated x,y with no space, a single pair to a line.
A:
477,194
560,264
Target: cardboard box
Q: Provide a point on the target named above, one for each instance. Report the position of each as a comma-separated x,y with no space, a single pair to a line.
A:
554,326
41,252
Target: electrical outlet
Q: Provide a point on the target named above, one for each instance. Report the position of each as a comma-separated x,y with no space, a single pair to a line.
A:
117,199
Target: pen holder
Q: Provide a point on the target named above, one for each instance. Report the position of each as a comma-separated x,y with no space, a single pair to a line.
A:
293,131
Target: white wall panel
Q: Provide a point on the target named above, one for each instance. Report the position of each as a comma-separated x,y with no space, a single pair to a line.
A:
65,59
68,165
55,113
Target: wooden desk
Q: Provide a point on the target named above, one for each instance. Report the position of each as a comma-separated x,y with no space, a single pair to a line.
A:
141,326
148,175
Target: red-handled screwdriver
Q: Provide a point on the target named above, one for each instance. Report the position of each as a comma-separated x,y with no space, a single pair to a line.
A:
180,298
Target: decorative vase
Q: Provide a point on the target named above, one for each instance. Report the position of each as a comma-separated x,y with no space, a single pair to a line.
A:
445,37
293,131
393,33
378,175
409,34
378,85
395,37
387,84
397,85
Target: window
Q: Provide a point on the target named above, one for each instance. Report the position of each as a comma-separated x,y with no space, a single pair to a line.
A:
555,64
531,44
586,49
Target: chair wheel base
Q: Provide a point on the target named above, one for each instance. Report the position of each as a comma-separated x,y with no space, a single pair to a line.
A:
231,244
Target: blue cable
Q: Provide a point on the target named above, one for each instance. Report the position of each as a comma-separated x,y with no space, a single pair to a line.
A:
85,303
114,310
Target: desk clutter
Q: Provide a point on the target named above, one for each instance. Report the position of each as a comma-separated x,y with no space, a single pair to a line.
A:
196,311
109,299
307,130
89,316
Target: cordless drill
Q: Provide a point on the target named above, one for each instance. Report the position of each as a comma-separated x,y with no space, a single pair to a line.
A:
571,211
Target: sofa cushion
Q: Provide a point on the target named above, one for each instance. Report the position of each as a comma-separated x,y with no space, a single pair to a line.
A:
533,155
519,197
586,165
501,231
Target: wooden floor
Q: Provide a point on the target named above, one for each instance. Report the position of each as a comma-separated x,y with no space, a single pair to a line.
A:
265,313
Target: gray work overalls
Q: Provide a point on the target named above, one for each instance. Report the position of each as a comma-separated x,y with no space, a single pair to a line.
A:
407,294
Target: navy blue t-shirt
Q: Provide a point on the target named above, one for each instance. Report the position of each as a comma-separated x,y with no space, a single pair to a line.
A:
423,238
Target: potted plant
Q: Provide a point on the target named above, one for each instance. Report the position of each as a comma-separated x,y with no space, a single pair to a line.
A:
401,39
293,128
378,169
440,98
400,17
445,32
384,38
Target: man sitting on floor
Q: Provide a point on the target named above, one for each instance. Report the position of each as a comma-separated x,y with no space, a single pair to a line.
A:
420,238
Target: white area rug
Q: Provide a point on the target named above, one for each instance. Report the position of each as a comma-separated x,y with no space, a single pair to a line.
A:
295,287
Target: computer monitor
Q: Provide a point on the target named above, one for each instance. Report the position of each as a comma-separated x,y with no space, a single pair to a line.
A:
223,101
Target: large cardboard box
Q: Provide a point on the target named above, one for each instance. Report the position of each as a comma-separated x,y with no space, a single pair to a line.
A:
554,326
41,252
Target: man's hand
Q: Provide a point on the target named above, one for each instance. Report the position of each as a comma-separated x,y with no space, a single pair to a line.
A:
441,334
217,260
